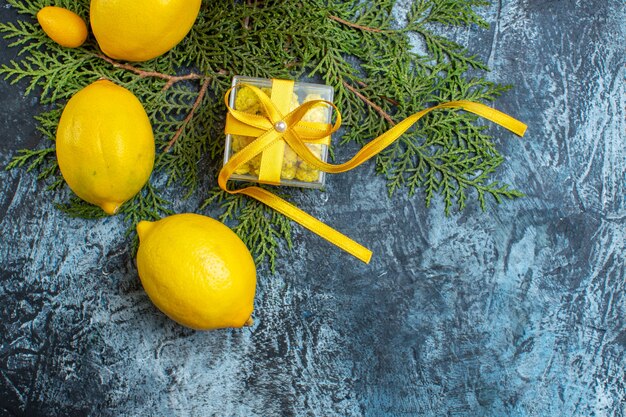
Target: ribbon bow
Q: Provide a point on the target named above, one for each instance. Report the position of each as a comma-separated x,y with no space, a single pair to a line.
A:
275,128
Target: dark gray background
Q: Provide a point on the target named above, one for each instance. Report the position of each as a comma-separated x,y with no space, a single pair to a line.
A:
519,311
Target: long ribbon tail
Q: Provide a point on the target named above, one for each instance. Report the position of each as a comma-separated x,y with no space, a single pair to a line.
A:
306,220
367,152
377,145
282,206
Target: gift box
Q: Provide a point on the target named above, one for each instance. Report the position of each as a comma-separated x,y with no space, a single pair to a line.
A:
289,168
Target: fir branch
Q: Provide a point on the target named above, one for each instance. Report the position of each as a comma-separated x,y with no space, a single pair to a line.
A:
354,25
180,130
369,103
34,158
148,204
443,48
171,79
22,33
78,208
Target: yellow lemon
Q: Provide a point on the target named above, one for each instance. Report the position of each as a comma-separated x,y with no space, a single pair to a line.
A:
105,145
197,271
139,30
63,26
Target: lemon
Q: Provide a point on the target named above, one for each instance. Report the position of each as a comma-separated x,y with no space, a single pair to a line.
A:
63,26
197,271
105,145
139,30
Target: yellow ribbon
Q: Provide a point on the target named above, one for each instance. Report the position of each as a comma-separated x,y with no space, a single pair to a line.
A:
274,127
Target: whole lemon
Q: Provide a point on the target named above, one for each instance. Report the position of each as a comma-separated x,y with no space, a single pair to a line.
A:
139,30
197,271
63,26
105,145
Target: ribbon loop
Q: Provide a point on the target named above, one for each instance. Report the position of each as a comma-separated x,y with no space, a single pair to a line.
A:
272,130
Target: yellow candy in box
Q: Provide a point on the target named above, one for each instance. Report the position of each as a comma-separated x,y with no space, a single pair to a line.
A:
294,171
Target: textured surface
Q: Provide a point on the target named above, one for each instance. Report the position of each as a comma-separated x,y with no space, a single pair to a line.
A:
519,311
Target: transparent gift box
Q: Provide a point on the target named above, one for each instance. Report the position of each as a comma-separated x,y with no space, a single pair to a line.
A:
294,172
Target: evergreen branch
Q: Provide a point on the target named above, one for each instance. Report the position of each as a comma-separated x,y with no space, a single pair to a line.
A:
180,130
443,48
171,79
146,205
34,158
369,103
354,25
78,208
23,35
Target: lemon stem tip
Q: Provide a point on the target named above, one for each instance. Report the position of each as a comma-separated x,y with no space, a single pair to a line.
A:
110,208
143,227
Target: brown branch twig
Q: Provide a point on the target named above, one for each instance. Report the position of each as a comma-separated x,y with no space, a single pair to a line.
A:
354,25
246,20
171,79
388,99
196,104
370,103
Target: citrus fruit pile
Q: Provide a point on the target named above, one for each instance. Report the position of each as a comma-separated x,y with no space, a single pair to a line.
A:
137,30
195,269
